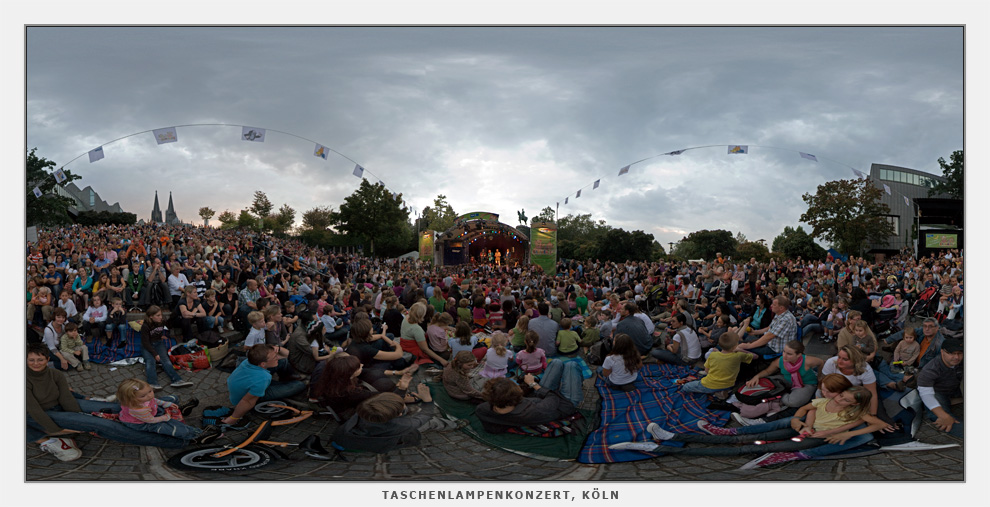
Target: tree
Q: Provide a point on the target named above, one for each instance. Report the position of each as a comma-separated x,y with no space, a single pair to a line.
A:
547,215
848,213
246,220
50,208
440,216
261,207
319,218
282,221
705,244
794,243
751,250
578,236
953,174
206,214
521,215
228,219
372,215
106,218
619,245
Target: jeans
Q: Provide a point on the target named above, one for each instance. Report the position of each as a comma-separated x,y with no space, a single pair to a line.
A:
170,428
776,430
121,328
666,356
695,386
211,322
112,430
151,374
565,377
278,390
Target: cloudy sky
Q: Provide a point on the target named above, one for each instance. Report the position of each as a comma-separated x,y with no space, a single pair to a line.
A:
498,119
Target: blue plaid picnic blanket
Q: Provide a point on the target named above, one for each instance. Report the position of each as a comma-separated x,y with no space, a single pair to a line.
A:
585,369
100,353
624,415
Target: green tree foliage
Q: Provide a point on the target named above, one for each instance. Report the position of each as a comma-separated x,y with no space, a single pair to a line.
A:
319,218
49,209
246,220
281,222
848,214
953,174
619,245
372,215
686,250
546,215
794,243
206,213
228,220
705,244
261,207
106,218
752,249
440,216
578,236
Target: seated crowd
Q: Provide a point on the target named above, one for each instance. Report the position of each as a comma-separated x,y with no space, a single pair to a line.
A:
349,333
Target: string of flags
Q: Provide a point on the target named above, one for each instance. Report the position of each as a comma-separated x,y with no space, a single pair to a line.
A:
250,134
732,149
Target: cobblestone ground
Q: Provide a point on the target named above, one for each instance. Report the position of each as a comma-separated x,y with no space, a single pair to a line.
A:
452,456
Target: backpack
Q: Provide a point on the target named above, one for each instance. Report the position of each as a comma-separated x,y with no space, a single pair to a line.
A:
597,352
765,390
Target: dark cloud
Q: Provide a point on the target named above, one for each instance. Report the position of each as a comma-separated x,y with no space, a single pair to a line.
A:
498,118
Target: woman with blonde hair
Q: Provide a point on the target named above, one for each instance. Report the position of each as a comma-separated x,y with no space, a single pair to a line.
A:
413,338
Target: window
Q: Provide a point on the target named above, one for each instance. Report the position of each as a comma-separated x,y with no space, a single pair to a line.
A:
895,221
884,174
92,198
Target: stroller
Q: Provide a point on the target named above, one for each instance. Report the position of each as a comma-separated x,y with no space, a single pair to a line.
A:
885,323
927,303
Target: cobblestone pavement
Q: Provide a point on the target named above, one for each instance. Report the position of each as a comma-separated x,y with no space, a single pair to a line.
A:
452,456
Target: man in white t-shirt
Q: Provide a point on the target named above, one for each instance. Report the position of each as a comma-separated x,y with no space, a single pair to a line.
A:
683,348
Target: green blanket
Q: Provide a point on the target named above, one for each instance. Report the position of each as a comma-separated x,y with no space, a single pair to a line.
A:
549,449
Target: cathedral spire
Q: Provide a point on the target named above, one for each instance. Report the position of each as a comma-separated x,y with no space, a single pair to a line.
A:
156,212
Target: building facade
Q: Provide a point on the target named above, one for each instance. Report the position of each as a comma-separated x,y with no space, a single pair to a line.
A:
903,182
86,199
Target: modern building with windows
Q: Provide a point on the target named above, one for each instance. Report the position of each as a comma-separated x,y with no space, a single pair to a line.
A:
86,199
939,212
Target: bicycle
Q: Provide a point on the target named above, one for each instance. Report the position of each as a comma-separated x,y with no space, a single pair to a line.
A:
256,451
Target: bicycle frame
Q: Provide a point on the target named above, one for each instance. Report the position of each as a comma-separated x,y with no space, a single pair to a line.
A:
300,415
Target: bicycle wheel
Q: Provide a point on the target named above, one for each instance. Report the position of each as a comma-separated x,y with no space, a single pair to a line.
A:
249,458
271,409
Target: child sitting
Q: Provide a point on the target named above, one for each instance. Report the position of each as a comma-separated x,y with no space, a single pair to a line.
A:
464,340
591,334
533,359
463,312
620,369
556,314
519,333
498,356
141,411
73,349
95,316
496,317
117,320
722,367
567,340
907,349
257,333
715,332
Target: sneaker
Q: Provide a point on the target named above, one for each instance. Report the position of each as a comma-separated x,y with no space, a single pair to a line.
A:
79,367
156,387
916,446
711,429
86,365
187,407
181,383
745,421
209,435
658,432
635,446
773,458
62,448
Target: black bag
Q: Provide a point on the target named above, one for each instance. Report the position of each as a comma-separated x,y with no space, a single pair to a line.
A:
767,389
210,337
597,353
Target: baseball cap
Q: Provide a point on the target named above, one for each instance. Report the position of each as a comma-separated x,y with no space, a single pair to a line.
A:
952,345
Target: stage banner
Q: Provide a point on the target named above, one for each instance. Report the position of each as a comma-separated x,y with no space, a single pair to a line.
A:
941,241
426,239
543,246
478,215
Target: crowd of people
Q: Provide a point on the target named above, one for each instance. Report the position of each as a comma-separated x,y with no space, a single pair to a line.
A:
349,333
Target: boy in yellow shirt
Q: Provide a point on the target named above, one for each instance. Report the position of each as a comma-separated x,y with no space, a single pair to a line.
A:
722,367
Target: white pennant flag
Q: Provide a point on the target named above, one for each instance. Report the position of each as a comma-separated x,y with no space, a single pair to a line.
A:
578,194
253,134
95,155
395,196
906,201
166,135
358,170
596,183
624,170
886,188
738,149
37,192
858,173
565,199
60,176
321,151
382,183
808,156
